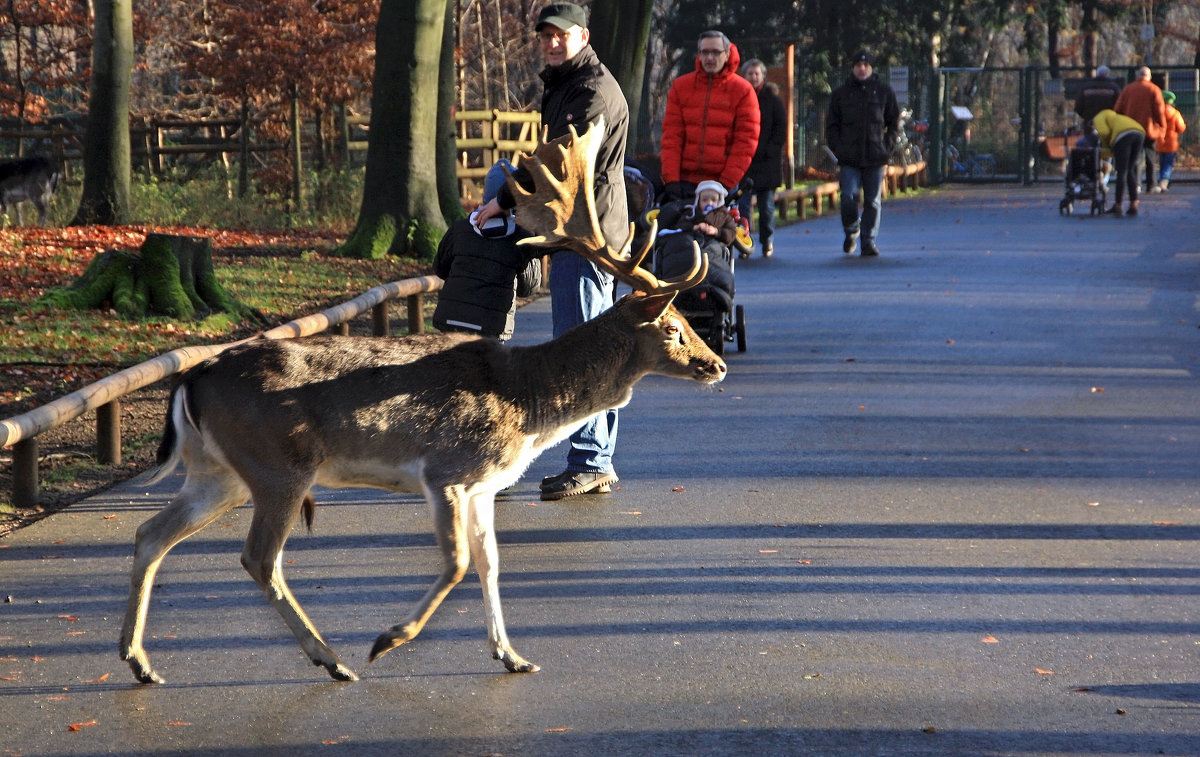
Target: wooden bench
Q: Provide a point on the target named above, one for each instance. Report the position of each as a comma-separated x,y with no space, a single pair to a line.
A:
820,198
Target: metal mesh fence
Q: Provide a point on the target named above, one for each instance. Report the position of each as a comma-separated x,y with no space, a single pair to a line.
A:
1005,124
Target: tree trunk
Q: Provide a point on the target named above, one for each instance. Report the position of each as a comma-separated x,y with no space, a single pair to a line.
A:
620,32
173,276
106,149
447,153
400,211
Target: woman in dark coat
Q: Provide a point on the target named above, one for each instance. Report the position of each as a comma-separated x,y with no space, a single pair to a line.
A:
766,170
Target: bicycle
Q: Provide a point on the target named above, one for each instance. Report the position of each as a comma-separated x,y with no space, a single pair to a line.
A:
907,151
982,166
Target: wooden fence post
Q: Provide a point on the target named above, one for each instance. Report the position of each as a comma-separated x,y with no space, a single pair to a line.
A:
25,472
297,155
416,314
379,319
108,433
244,159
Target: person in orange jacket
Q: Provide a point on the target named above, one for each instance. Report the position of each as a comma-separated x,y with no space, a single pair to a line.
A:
1168,144
711,124
1142,100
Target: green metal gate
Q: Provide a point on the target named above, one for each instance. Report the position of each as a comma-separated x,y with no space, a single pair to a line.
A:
1022,120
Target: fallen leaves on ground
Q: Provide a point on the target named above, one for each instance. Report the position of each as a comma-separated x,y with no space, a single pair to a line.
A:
47,255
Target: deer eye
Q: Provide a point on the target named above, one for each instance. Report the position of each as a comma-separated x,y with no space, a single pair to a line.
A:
672,329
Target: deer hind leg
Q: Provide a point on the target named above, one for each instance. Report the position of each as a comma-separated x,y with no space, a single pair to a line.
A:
208,492
42,204
482,529
450,529
275,514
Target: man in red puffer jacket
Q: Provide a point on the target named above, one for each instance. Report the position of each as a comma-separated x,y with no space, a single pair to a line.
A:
710,128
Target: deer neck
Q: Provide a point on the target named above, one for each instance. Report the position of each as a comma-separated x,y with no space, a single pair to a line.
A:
571,378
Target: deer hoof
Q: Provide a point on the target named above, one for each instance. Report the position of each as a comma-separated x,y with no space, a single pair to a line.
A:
514,663
386,643
144,674
340,672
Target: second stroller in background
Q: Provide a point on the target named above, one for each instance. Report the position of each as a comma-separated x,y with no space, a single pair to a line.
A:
1085,176
710,219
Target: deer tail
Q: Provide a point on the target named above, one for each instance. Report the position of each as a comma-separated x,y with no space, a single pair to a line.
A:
309,509
168,456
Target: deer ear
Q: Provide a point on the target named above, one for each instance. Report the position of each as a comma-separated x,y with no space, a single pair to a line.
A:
649,307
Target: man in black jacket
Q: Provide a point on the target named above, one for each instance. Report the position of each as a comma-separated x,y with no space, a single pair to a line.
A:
863,124
578,91
1097,94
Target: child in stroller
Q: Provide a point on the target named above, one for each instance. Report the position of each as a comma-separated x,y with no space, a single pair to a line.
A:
711,220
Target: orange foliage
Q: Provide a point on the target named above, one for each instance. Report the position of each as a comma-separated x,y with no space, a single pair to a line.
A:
47,50
262,50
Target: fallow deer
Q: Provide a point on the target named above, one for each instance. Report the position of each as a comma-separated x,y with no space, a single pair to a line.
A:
454,417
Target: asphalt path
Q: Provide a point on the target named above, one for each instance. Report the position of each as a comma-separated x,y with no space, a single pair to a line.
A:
946,503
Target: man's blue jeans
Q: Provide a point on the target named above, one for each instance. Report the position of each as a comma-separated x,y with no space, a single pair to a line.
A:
870,182
579,292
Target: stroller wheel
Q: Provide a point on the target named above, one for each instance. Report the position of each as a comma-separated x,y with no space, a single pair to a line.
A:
740,326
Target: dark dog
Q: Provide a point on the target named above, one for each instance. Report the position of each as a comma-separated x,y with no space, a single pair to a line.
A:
33,179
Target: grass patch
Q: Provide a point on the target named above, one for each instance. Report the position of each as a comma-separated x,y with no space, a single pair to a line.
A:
274,262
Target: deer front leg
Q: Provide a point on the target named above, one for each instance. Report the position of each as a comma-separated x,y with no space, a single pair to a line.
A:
449,528
481,526
263,560
203,499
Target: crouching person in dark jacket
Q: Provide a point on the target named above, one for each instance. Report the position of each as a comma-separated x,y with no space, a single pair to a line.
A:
485,272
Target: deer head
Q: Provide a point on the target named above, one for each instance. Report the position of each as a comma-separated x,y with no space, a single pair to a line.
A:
563,205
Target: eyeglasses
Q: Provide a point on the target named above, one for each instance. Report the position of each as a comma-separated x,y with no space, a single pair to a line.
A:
718,51
547,38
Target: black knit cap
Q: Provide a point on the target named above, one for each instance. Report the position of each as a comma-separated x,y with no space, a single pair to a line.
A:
863,56
561,15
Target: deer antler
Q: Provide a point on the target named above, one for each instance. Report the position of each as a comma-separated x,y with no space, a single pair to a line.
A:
561,211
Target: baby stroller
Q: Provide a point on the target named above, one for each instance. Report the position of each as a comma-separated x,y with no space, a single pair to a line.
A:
1084,178
708,307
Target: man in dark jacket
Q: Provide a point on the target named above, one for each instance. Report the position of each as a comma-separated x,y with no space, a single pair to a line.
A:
863,124
578,91
766,170
1097,94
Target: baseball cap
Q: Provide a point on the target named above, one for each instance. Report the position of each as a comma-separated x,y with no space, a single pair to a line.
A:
1168,97
561,15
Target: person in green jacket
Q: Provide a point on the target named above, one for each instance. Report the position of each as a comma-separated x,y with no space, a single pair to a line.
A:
1122,137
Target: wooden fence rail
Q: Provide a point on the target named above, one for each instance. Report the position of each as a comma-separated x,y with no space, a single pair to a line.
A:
104,396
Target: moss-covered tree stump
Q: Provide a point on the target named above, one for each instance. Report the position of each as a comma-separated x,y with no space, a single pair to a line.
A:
172,276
